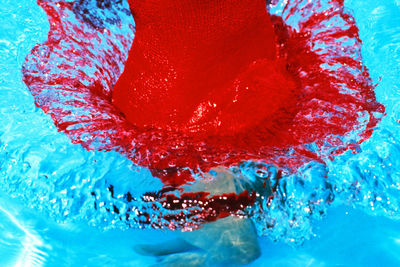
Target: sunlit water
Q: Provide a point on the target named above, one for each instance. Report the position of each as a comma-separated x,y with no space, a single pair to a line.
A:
360,228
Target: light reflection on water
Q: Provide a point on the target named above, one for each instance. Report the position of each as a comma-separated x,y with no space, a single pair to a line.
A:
20,244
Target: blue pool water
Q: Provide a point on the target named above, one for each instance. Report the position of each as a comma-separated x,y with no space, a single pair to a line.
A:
45,180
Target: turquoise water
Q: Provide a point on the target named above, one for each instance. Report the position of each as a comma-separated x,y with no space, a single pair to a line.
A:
44,208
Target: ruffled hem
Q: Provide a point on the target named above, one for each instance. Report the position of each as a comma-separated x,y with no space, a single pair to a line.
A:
71,76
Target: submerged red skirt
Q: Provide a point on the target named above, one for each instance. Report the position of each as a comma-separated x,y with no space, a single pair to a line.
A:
205,84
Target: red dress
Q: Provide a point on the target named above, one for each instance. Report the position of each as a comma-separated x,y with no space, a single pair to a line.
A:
207,83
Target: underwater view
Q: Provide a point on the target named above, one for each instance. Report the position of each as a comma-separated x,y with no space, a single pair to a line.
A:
199,133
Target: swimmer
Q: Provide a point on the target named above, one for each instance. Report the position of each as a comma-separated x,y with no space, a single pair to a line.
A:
207,85
187,52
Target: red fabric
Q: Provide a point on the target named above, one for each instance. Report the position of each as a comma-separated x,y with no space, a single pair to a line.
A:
214,82
203,67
